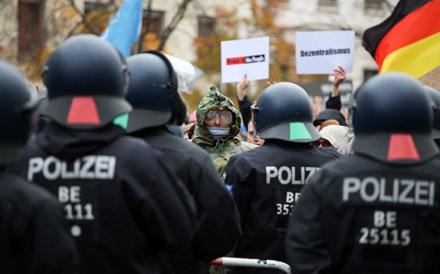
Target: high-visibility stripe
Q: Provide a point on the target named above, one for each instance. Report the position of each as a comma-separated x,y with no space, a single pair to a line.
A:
415,59
402,147
421,23
83,110
299,131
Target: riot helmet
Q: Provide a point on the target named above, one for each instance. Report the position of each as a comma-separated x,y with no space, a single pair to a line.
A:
284,111
17,102
435,97
392,119
153,92
86,80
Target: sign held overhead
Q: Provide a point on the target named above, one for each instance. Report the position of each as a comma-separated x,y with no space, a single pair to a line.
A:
320,52
245,56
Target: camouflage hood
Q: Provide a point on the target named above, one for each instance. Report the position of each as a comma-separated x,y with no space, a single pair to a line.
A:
215,100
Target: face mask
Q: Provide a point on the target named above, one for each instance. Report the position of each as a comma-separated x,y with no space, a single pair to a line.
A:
219,132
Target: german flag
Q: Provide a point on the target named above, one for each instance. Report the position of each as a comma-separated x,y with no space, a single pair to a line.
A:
408,40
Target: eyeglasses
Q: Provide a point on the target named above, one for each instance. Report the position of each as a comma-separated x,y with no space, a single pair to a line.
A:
225,116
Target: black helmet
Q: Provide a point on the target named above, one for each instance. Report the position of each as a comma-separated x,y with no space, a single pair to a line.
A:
86,80
284,111
17,102
392,119
435,97
153,92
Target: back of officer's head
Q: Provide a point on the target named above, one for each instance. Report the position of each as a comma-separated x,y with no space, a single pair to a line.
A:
435,97
284,112
86,80
392,119
153,92
17,102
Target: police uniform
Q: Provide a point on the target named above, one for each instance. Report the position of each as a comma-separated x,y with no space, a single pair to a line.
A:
435,97
377,211
33,232
218,226
119,201
123,205
266,191
153,94
267,180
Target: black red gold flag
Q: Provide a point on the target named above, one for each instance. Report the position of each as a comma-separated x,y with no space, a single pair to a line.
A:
408,40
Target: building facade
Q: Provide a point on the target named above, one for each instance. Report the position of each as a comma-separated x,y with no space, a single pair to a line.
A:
31,29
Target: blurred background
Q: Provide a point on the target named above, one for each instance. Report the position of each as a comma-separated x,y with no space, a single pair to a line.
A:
192,30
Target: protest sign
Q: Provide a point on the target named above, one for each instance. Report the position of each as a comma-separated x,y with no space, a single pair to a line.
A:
246,56
320,52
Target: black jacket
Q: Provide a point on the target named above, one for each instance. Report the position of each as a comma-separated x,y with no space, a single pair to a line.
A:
122,204
358,215
266,185
33,232
334,102
245,110
218,225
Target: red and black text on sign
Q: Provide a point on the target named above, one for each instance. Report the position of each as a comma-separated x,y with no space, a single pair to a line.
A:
245,59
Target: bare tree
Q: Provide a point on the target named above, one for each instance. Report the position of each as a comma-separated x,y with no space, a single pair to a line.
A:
110,8
178,16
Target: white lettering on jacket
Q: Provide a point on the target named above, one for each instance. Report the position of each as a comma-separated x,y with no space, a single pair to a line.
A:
88,167
287,175
403,191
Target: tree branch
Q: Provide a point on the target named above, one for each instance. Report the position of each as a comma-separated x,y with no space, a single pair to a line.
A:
180,13
83,17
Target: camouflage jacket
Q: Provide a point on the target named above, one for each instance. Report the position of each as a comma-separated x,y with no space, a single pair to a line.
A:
220,150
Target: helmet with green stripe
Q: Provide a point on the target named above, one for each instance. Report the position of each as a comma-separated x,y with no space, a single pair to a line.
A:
284,112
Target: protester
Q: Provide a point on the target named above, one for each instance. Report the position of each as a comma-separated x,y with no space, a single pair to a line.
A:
338,137
334,99
252,136
332,115
267,180
123,205
245,110
189,125
157,104
244,103
329,117
34,237
217,129
376,211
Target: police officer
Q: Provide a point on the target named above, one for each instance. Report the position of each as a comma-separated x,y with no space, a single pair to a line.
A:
157,104
267,180
33,232
377,211
122,204
435,97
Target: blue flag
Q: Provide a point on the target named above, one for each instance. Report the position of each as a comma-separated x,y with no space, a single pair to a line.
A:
125,27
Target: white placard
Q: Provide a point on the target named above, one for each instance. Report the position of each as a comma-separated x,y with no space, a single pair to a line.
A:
319,52
245,56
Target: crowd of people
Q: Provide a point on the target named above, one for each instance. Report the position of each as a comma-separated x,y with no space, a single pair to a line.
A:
96,175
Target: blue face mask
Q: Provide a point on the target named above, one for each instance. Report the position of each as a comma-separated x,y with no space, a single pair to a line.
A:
219,132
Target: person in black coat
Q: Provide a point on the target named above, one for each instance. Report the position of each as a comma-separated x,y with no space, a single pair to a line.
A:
34,238
266,181
124,206
377,211
157,105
